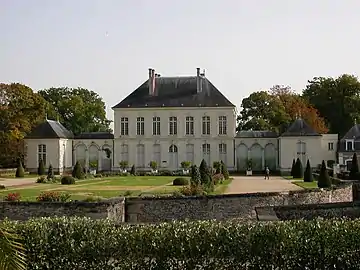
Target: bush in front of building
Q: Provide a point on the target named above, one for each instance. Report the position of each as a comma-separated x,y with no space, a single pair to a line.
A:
78,171
67,180
298,169
224,171
20,172
308,175
354,169
324,180
180,181
292,168
41,168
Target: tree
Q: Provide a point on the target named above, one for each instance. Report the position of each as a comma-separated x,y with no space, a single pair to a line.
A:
204,173
50,174
153,165
20,111
133,170
354,170
185,165
41,168
336,99
78,171
20,170
324,180
79,109
292,168
308,177
195,179
12,252
124,164
224,171
298,169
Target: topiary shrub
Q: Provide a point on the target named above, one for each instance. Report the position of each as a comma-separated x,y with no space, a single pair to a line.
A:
217,167
308,176
180,181
224,171
78,171
20,172
298,169
192,190
195,179
50,174
41,168
292,168
324,180
204,173
67,180
133,170
41,180
218,178
354,170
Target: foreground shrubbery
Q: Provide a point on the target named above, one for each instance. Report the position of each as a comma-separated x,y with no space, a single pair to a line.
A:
80,243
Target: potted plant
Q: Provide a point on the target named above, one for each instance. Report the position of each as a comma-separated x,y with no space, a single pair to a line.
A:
153,165
93,166
185,165
124,164
249,167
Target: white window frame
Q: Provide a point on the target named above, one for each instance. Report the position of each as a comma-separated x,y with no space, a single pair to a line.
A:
206,125
352,145
140,126
156,126
189,125
206,148
124,126
222,125
222,148
172,125
42,155
330,146
125,152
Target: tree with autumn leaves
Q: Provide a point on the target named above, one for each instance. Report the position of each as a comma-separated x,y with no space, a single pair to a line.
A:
276,109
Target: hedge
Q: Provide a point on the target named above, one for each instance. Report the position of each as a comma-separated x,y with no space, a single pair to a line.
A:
81,243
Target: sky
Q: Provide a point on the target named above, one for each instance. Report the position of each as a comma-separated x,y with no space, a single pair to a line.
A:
244,46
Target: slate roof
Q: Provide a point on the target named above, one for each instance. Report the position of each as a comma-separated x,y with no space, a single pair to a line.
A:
353,133
300,128
95,135
50,129
176,92
256,134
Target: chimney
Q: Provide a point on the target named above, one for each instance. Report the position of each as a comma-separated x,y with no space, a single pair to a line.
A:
151,81
198,80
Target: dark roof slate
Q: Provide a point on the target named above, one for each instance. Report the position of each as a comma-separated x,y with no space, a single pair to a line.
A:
95,135
256,134
353,133
50,129
176,92
299,128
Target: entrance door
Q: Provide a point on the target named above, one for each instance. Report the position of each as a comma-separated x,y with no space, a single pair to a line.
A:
173,157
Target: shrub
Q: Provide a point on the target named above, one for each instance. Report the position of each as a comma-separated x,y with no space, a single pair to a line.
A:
67,180
2,187
165,173
133,170
20,170
124,164
41,168
217,167
153,165
78,171
48,196
224,171
50,174
195,179
298,169
185,164
41,180
192,190
324,179
98,175
292,168
308,176
330,163
13,197
204,173
180,181
218,178
354,170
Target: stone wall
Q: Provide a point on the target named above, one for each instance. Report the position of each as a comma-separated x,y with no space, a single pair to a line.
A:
220,207
112,209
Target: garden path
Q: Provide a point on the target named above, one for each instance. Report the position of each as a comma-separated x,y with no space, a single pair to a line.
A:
15,182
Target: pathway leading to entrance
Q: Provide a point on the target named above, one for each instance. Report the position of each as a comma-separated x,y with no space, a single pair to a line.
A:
252,184
17,182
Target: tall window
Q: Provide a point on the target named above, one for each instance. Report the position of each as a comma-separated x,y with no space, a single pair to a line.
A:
222,125
330,146
125,152
42,153
124,123
156,125
189,125
140,126
206,125
349,145
206,153
172,125
222,152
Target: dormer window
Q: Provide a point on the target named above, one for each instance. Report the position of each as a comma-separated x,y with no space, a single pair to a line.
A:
349,144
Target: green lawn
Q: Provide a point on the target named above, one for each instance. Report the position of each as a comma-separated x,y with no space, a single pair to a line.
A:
306,185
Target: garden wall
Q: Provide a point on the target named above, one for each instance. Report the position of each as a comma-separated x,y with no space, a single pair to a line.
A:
112,209
221,207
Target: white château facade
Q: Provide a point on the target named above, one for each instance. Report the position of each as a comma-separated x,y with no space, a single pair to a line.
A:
175,119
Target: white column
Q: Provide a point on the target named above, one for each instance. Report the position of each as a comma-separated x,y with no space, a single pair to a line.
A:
87,159
99,159
263,157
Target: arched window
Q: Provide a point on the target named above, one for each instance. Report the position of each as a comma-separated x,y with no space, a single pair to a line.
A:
173,149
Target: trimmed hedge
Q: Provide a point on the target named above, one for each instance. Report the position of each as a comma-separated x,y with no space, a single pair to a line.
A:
67,180
81,243
180,181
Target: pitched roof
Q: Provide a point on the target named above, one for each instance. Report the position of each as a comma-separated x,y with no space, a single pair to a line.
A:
352,133
256,134
50,129
176,92
300,128
95,135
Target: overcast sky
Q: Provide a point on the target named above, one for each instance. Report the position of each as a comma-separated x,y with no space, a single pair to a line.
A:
244,46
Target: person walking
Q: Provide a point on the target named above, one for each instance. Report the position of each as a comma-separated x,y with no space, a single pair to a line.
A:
267,173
